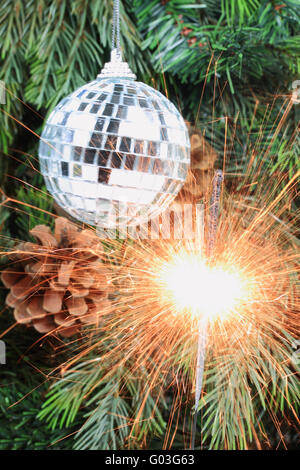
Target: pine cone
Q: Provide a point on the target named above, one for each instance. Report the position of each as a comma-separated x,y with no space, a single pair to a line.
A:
59,283
199,179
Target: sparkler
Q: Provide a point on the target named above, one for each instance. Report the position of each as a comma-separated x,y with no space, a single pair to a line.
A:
203,324
200,274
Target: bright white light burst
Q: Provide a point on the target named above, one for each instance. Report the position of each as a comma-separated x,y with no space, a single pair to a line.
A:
190,284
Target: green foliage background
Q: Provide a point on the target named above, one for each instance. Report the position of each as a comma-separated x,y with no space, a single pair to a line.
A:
244,51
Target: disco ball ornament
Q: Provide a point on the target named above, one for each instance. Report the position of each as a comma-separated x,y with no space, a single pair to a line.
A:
115,152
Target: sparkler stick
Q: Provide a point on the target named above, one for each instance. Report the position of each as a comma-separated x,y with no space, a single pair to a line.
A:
214,212
203,323
202,335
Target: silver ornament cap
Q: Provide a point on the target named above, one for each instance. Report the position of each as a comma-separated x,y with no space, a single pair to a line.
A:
116,67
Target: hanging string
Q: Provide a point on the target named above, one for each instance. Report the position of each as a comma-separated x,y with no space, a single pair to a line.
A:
116,67
116,28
